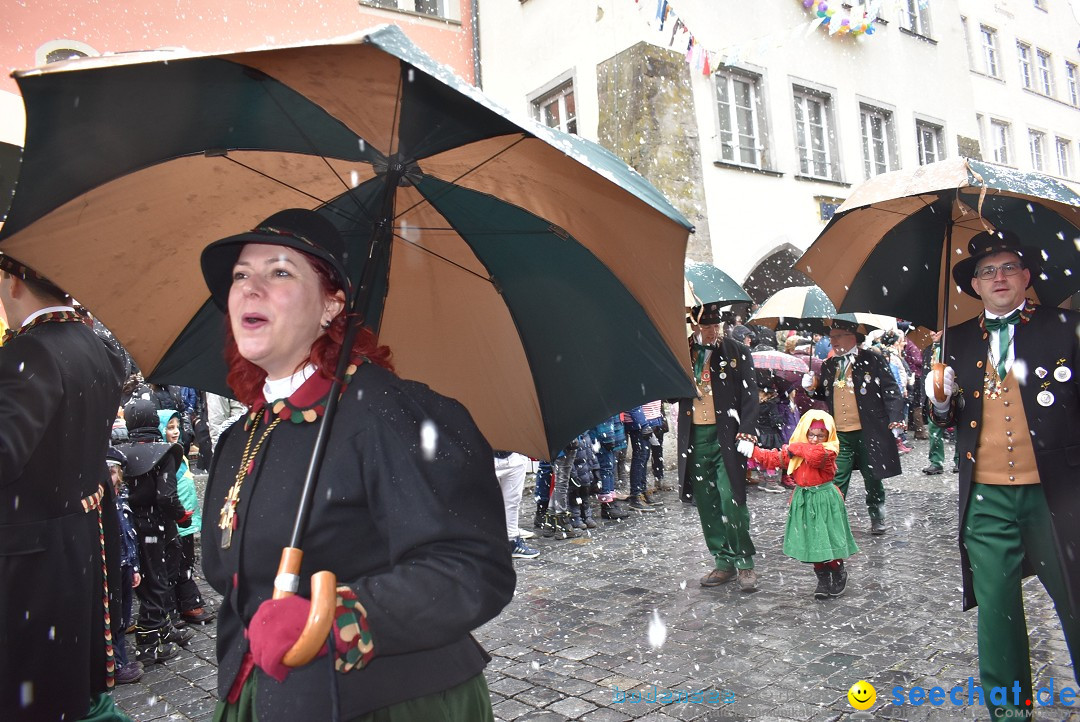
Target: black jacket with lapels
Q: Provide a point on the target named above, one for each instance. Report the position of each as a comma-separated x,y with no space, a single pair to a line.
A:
735,400
880,403
59,391
407,513
1044,344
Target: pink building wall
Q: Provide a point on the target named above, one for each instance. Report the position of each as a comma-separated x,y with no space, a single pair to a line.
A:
215,25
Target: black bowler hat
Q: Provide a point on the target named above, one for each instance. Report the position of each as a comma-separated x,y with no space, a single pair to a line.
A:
298,228
706,315
985,244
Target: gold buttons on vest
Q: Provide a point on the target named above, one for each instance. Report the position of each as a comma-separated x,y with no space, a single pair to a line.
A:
1008,448
1008,418
974,424
1006,403
1008,433
1012,463
1012,478
979,364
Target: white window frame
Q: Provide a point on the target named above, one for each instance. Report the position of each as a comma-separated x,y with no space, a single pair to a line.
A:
811,159
567,122
988,42
915,17
736,141
1023,53
1063,150
926,129
1044,68
1037,148
873,164
999,136
1072,93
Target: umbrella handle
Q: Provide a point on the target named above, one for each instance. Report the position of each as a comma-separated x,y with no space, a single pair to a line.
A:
321,613
938,371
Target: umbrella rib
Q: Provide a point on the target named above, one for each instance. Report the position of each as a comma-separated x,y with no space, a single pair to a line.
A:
444,258
453,183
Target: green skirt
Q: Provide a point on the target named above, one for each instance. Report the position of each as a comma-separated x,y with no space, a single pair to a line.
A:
470,701
817,525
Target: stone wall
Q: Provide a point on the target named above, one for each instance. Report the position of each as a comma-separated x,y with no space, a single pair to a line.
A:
647,119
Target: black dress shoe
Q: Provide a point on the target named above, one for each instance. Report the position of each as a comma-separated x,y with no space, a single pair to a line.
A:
932,469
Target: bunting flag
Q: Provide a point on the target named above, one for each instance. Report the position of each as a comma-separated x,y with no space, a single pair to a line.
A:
677,35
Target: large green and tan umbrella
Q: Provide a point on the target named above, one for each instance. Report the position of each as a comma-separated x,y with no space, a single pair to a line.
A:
891,246
489,237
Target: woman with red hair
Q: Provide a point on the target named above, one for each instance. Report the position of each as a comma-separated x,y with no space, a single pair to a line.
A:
407,512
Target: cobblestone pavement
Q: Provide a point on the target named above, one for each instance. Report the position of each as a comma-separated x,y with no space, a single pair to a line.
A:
577,634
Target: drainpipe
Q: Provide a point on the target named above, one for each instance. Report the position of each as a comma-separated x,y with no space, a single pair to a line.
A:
474,20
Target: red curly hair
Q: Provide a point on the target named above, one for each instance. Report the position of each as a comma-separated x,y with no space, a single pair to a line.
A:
246,379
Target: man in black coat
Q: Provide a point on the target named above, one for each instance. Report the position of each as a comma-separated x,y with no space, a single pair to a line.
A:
711,426
863,398
1012,388
59,390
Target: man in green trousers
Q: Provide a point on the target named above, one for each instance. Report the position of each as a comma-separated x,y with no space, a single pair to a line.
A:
931,356
711,427
864,399
1010,385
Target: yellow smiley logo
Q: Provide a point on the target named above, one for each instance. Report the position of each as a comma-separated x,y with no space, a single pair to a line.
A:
862,695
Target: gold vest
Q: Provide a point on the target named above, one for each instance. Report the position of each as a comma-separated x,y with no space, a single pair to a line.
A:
845,409
704,407
1004,454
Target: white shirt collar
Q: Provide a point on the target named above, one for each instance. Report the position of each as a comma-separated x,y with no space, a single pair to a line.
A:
286,387
47,309
991,314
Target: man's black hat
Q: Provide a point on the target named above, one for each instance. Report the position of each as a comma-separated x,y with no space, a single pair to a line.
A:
985,244
706,315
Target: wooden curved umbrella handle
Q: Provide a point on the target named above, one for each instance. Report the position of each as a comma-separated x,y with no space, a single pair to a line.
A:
320,614
938,374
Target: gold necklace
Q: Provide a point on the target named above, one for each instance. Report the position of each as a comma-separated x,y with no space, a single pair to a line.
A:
227,522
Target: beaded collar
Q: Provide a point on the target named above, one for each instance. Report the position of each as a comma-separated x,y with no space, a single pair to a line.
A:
51,317
305,405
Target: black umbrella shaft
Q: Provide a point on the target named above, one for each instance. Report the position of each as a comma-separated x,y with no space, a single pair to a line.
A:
380,245
945,285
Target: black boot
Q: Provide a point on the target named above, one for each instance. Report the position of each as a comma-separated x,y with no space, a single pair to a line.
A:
550,526
151,646
612,510
178,635
838,581
575,517
586,513
541,511
824,586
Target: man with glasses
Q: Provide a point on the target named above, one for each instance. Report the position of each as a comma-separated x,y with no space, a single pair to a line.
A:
864,399
1011,388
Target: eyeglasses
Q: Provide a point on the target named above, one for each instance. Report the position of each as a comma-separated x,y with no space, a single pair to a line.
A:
988,273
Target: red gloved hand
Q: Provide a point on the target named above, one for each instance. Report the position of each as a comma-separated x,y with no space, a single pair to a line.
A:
274,630
185,520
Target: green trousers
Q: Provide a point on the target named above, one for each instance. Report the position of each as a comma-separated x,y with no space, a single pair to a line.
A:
855,455
726,524
1002,526
937,446
102,709
470,701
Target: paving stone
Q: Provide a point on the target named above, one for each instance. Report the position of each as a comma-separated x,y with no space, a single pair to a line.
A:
572,707
511,709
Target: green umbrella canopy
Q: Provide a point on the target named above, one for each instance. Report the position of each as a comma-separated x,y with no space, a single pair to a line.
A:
711,285
500,234
891,246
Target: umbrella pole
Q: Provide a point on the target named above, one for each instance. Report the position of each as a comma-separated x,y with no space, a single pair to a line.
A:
324,583
938,369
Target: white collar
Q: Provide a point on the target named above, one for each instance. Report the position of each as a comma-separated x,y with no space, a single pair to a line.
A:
991,314
47,309
286,387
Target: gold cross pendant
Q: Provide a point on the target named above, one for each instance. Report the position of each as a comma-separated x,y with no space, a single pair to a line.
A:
227,521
